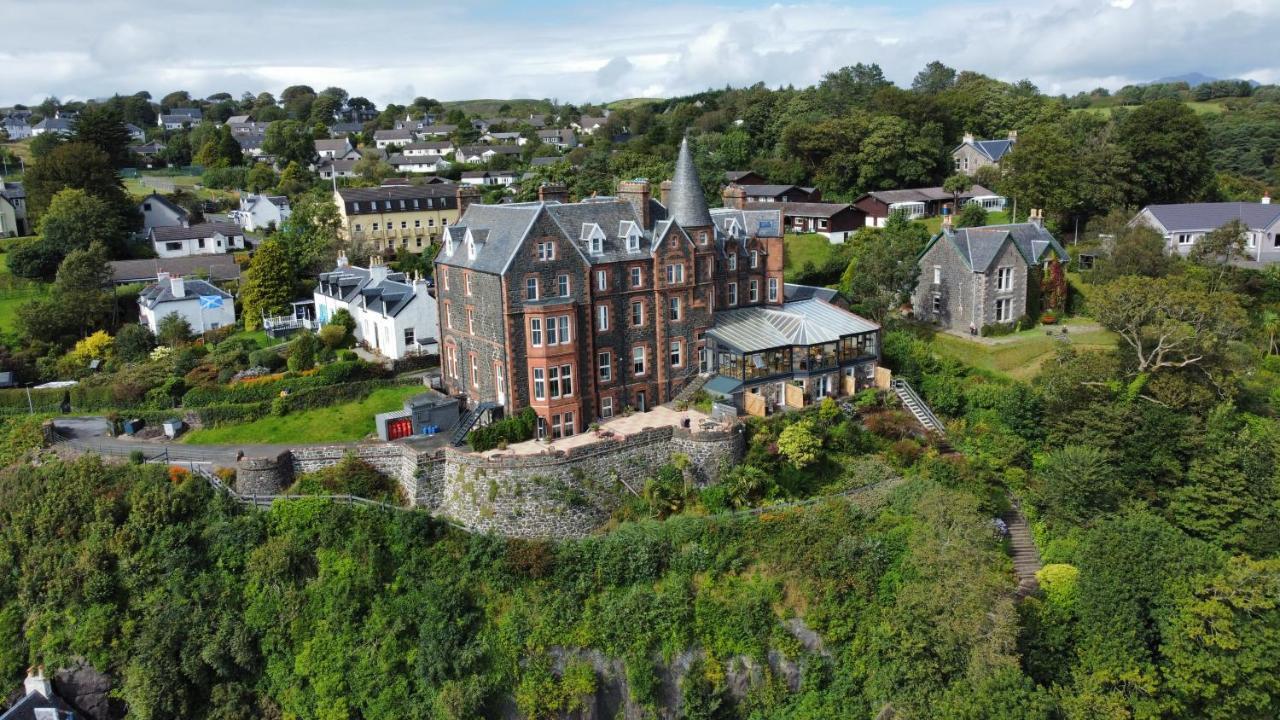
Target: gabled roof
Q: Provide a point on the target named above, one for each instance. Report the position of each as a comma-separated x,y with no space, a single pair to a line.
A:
350,284
430,145
505,227
803,322
405,135
217,267
195,232
754,222
1211,216
924,194
992,149
978,247
339,145
686,203
172,206
193,288
805,209
793,291
13,191
28,707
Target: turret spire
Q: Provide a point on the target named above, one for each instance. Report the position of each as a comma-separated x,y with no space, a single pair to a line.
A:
688,206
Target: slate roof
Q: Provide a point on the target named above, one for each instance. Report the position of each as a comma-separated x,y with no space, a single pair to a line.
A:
13,191
25,709
992,149
1211,216
339,145
393,136
586,122
925,194
162,292
218,267
804,209
194,232
401,197
238,119
348,283
345,128
979,246
430,145
190,112
438,129
686,203
499,230
54,124
173,207
251,141
734,176
803,322
488,173
340,165
402,159
754,222
793,291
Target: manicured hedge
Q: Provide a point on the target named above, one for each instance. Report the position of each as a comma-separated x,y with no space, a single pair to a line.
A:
514,429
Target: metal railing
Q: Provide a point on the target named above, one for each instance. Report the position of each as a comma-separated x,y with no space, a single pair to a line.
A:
918,406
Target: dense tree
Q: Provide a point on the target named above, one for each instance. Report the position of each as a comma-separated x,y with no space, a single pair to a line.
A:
882,272
102,126
78,166
290,141
934,78
268,283
173,330
1076,483
1169,148
75,220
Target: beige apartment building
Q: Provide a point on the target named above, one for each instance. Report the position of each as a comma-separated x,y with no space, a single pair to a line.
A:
400,218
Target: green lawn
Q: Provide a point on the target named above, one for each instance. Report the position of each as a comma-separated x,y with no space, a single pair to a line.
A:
339,423
801,249
15,292
136,187
935,223
1021,357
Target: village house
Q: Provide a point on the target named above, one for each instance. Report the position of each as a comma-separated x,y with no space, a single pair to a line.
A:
251,145
345,129
55,125
16,126
204,306
476,154
328,169
428,164
1186,224
563,139
38,701
488,177
917,203
588,125
621,302
395,316
262,212
179,118
428,148
400,217
780,193
334,149
159,211
744,177
382,139
149,152
13,210
504,137
200,239
978,276
972,154
216,268
433,131
834,221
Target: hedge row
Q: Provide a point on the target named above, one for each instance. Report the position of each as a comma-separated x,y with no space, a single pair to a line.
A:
326,376
517,428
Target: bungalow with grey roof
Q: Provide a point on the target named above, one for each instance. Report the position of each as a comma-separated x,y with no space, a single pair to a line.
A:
201,239
972,277
159,211
1186,224
919,203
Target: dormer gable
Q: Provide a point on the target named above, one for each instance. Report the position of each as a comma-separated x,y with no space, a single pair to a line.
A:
630,233
593,237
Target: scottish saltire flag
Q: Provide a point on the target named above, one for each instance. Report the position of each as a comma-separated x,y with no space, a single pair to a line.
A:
210,302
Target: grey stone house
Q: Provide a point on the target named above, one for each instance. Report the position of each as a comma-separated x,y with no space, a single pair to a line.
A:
972,154
971,277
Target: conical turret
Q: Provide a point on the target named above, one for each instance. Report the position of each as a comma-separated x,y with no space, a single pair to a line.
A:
688,206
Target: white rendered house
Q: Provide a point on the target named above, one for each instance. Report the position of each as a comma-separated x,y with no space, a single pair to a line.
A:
202,239
204,306
395,316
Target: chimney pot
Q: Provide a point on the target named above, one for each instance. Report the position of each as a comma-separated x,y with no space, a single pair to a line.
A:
968,137
1266,197
37,682
553,192
178,286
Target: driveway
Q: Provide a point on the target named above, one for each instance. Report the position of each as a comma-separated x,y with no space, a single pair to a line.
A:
91,434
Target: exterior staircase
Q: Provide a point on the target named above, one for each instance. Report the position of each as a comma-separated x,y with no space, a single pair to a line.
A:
1026,559
691,388
917,407
468,421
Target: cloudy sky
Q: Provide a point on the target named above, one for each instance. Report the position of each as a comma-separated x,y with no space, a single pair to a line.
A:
394,50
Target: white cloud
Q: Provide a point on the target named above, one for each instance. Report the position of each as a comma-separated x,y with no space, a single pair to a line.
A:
604,51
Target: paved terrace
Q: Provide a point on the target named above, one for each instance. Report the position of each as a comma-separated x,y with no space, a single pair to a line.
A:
620,427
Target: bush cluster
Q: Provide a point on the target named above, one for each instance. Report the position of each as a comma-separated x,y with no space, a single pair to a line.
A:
517,428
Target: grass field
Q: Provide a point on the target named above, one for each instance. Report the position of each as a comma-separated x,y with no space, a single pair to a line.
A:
1207,107
801,249
139,189
1020,356
935,223
339,423
14,292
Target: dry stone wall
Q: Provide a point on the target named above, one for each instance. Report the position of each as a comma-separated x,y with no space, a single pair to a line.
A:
560,494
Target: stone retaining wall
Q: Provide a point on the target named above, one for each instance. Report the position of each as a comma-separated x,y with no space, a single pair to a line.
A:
560,494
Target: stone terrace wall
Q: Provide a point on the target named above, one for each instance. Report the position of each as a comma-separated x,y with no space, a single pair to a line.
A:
570,493
561,494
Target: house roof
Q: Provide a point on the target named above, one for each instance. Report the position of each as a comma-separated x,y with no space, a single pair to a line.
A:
381,135
587,122
173,207
162,292
438,129
194,232
430,145
345,128
13,191
924,194
395,192
734,176
686,203
339,164
239,119
978,247
1210,216
803,322
804,209
402,159
250,141
793,291
339,145
28,707
54,124
348,283
218,267
772,190
992,149
544,161
488,173
754,222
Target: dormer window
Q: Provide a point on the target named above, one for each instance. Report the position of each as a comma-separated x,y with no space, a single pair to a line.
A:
633,242
733,260
448,244
597,245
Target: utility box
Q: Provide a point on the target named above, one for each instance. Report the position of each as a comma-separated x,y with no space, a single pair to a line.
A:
173,427
423,414
131,427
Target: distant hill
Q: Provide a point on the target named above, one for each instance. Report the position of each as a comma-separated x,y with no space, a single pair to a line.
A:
631,103
490,108
1192,79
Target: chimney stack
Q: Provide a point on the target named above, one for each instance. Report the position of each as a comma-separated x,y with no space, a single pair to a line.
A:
178,286
664,192
734,196
968,137
1266,197
37,682
342,259
637,192
467,194
378,270
1036,217
1013,136
553,192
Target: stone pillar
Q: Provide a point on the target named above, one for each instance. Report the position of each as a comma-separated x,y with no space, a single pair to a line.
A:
264,475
